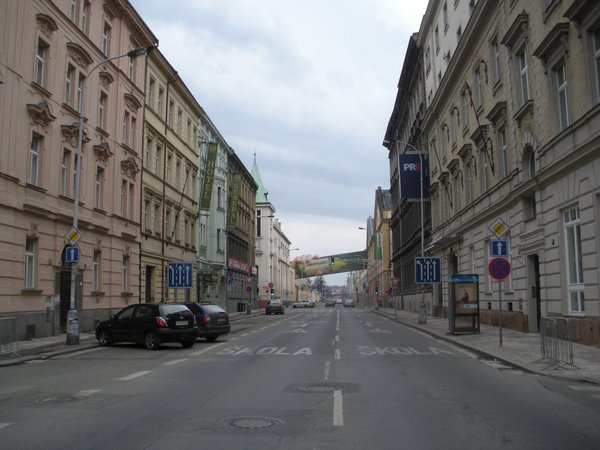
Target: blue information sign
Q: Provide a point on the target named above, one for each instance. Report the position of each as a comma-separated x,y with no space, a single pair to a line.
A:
499,247
180,275
428,270
72,254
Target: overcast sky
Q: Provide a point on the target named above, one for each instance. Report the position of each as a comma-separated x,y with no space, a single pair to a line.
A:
306,85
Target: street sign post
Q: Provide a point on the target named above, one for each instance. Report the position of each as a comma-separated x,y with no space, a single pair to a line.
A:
428,270
499,269
180,275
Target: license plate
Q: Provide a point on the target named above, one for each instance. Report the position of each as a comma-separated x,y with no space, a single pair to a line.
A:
221,320
182,323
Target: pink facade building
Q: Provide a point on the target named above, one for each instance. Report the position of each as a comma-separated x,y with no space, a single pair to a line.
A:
47,48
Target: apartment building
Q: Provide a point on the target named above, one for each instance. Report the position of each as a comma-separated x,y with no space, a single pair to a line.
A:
170,181
241,225
49,74
513,134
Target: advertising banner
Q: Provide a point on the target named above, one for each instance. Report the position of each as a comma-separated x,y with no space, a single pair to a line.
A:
410,167
233,202
209,176
313,265
464,303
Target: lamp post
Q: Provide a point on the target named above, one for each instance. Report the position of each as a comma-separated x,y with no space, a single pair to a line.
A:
72,319
422,309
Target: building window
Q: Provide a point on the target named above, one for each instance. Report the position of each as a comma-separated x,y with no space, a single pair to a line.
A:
69,85
156,217
575,286
170,114
456,191
495,51
64,172
148,148
34,158
74,10
124,194
503,148
464,108
219,239
523,77
146,215
106,32
220,197
125,274
169,166
168,232
85,18
161,94
483,170
41,54
96,271
80,82
157,159
151,87
177,180
29,263
102,105
98,188
445,15
179,121
477,88
560,80
468,183
75,177
528,163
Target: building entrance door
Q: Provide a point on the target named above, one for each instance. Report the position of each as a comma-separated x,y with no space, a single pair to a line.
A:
65,298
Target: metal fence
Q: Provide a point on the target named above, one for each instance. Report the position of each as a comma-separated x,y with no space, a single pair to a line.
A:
556,340
9,342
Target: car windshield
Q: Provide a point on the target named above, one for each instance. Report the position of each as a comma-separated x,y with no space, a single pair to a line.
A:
167,310
212,308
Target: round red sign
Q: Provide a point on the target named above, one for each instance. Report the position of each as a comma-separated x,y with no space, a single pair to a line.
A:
499,268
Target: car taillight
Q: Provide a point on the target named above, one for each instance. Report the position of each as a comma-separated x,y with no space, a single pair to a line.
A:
206,319
162,323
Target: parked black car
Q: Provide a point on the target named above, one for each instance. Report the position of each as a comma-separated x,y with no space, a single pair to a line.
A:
212,320
150,324
274,307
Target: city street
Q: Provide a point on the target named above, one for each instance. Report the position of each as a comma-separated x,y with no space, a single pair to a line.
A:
317,378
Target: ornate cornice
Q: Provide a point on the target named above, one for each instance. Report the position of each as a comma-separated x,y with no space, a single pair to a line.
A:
40,114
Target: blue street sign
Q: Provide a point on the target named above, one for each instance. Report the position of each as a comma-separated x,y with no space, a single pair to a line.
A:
428,270
72,254
499,247
180,275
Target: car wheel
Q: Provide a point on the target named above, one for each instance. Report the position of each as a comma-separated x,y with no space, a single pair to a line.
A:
104,338
187,344
211,338
151,341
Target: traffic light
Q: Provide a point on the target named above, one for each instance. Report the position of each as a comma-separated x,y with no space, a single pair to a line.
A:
271,293
376,290
331,260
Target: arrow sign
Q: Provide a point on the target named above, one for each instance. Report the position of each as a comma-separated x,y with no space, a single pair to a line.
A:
428,270
179,275
499,247
72,254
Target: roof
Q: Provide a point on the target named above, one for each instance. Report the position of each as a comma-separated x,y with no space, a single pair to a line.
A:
261,193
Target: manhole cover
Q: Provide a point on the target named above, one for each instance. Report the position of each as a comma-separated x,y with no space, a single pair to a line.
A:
252,422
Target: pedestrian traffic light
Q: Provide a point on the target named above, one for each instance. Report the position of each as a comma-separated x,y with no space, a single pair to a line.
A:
331,260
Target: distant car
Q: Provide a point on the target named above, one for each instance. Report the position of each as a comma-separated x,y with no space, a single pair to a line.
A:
349,303
274,307
303,304
212,320
150,324
329,302
339,301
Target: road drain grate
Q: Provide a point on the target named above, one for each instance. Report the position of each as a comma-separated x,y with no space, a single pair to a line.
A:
252,422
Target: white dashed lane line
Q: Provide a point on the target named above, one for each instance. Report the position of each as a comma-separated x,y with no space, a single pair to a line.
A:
175,361
134,375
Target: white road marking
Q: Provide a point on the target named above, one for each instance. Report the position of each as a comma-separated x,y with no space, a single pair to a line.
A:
199,352
134,375
4,425
377,330
327,367
337,338
337,353
36,361
585,388
338,408
175,361
88,392
82,352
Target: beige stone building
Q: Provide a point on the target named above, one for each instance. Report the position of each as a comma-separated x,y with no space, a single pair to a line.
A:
47,49
170,181
513,133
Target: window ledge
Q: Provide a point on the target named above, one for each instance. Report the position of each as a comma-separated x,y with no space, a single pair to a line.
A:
97,293
126,294
31,291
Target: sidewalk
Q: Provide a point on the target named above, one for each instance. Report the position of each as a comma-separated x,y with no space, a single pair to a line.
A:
48,347
521,350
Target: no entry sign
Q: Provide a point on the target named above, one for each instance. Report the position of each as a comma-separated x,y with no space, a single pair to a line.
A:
499,268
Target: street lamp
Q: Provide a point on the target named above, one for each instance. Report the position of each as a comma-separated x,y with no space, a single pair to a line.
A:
72,320
422,309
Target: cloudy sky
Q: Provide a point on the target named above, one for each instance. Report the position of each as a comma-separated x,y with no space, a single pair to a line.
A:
306,85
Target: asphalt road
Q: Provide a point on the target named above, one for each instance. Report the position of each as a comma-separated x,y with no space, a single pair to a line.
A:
320,378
